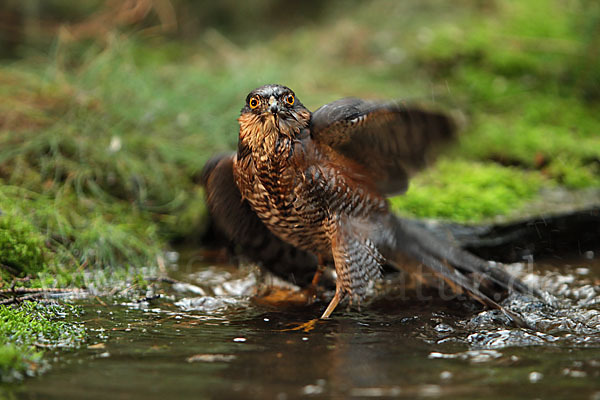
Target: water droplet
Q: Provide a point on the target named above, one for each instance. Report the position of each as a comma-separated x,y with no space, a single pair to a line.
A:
446,375
535,376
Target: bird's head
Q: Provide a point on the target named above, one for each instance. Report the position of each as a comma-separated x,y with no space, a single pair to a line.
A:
272,110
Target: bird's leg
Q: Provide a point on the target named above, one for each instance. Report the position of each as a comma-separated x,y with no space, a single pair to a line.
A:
333,303
312,289
357,263
283,297
318,273
310,325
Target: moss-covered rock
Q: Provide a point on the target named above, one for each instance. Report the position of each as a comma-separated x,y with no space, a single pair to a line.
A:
484,190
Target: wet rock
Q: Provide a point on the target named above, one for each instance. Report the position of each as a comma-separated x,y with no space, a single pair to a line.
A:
211,358
187,287
474,356
239,287
535,377
209,304
443,328
508,338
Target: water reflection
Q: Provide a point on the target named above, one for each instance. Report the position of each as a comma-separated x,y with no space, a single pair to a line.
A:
213,342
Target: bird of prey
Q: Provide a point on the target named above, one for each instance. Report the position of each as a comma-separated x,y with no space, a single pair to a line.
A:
308,189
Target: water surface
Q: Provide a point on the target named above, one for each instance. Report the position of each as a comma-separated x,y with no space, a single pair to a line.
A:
211,340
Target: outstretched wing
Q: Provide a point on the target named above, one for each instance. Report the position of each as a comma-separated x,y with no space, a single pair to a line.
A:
234,217
392,141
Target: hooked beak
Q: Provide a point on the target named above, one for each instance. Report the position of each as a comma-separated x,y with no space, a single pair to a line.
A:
273,105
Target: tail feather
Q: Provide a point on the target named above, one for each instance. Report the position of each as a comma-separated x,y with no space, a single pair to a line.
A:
461,259
458,267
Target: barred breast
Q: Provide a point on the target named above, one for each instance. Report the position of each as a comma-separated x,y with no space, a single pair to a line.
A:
278,194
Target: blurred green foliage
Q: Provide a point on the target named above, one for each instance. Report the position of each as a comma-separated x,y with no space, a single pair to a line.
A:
107,116
519,72
21,247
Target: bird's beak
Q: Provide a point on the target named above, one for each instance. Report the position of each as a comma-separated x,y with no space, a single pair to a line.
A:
273,105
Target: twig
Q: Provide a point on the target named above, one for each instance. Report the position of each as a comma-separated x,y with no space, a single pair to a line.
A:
13,300
33,294
23,290
162,279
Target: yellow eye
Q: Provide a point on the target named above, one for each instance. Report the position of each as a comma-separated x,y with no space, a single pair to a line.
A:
289,99
253,103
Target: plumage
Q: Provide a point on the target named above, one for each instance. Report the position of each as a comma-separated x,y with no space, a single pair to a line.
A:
391,139
313,186
241,225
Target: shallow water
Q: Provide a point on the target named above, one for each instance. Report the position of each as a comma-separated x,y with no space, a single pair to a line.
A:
210,340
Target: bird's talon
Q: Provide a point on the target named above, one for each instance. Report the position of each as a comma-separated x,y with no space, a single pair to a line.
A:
305,326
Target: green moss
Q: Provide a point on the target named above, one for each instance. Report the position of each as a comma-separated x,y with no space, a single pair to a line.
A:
16,361
484,190
573,175
21,247
78,235
29,326
520,83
